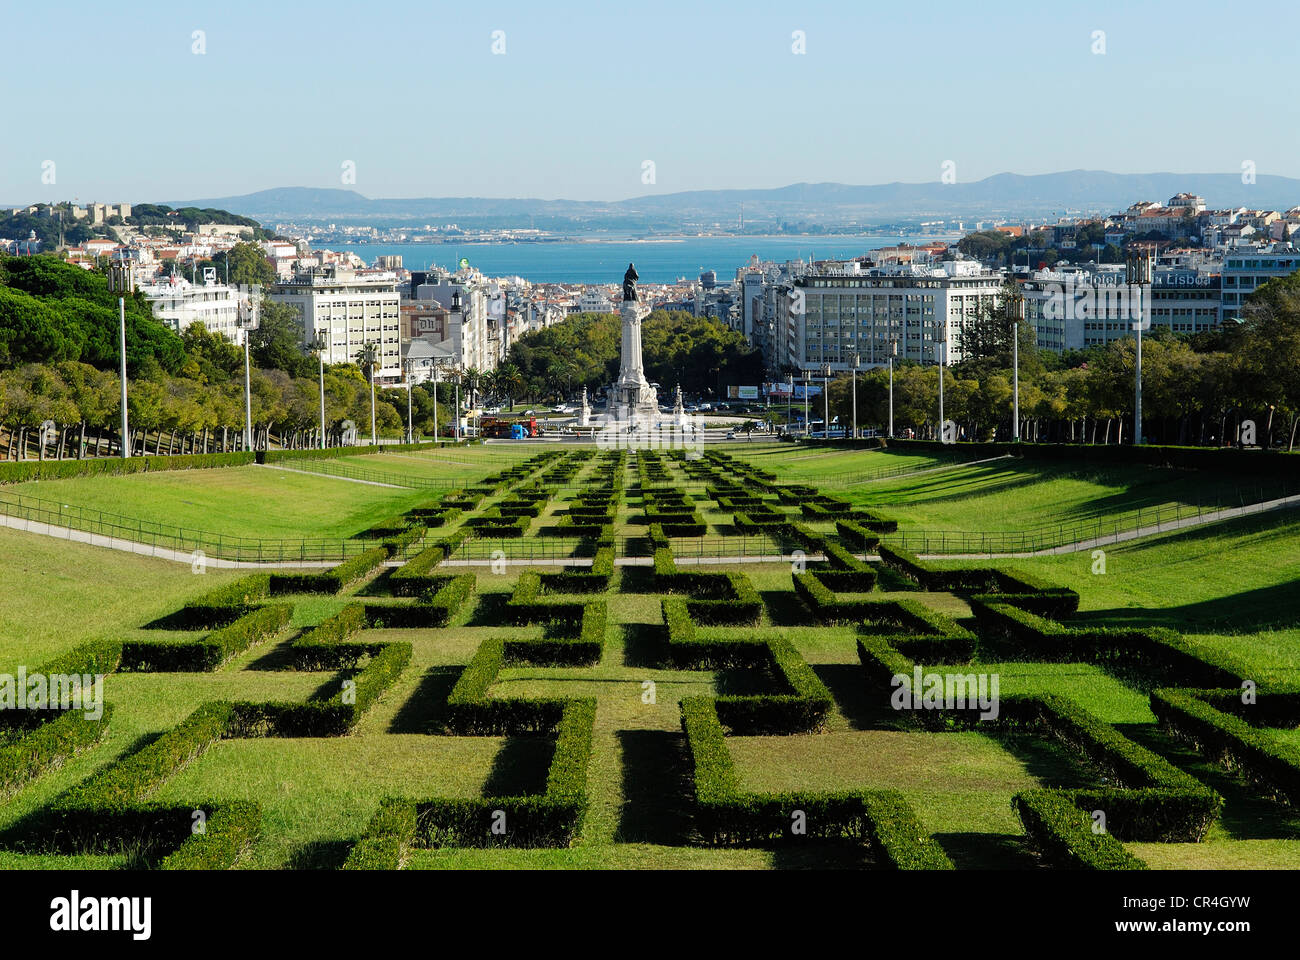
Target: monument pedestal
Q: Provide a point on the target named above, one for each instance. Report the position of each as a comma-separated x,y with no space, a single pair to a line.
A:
633,400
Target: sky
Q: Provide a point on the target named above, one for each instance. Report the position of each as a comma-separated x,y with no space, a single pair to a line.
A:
158,101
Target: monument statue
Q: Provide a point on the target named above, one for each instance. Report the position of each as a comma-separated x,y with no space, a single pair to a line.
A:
629,284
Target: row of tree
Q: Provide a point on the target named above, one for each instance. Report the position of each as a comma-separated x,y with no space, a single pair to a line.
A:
702,354
1195,389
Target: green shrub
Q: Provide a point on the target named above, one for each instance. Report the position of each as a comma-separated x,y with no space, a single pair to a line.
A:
1064,834
47,746
1272,764
230,829
210,652
116,466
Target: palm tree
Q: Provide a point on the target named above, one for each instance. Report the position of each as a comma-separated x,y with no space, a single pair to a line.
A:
509,381
368,357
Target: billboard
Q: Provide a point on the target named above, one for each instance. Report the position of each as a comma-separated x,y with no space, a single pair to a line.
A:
802,390
742,393
780,390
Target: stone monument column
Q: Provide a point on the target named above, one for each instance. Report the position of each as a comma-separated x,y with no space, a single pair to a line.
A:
635,400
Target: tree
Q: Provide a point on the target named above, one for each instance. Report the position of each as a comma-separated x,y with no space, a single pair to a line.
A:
276,343
368,358
247,265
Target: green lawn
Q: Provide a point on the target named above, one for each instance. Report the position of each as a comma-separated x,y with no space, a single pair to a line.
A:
252,501
56,594
1229,586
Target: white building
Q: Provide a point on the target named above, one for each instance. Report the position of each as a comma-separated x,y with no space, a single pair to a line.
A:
828,319
350,311
178,303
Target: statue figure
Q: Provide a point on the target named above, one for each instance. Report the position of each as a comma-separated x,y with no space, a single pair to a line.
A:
629,284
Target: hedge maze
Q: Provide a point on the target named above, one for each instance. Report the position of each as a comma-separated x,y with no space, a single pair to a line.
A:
828,634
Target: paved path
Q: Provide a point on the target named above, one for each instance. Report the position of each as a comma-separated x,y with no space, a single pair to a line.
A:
332,476
164,553
150,550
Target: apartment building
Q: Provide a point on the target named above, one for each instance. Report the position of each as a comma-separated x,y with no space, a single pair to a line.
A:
178,303
837,313
1247,270
349,309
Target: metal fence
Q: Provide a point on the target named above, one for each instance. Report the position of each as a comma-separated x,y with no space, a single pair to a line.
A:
1100,531
166,537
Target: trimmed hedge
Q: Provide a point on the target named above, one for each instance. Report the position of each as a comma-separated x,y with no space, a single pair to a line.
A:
1023,589
1155,649
333,580
1063,834
550,819
231,828
582,581
725,815
224,604
47,746
210,652
21,472
388,838
1270,763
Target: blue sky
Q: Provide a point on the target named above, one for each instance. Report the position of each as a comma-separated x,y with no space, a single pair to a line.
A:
412,94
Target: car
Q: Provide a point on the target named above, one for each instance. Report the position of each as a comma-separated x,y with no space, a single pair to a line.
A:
731,434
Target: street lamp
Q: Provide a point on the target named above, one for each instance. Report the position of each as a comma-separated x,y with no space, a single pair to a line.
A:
372,354
826,401
857,362
806,424
122,280
435,400
457,432
893,352
247,326
1017,318
410,422
321,342
938,352
1139,273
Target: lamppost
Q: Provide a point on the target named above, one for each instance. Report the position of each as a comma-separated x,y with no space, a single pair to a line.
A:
372,354
938,352
247,326
435,399
857,362
1139,273
410,422
893,352
1017,318
321,342
457,433
826,401
789,402
806,424
122,280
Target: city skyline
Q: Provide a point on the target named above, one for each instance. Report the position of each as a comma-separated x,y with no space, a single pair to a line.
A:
713,100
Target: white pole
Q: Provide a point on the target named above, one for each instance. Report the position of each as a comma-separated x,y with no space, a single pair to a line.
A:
855,398
1015,362
248,399
435,401
374,437
410,423
938,350
321,355
891,398
126,437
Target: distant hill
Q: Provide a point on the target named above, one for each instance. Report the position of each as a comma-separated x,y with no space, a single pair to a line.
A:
1005,194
